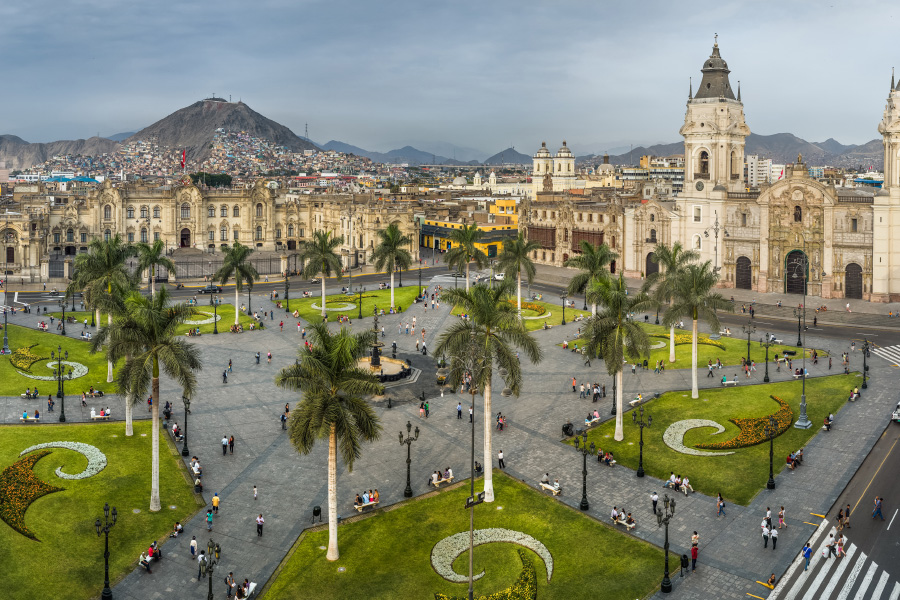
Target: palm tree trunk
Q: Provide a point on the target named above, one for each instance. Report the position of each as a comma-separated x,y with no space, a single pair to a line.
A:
392,288
488,449
672,343
323,295
109,365
519,293
97,314
152,281
332,553
154,468
620,433
237,310
467,276
129,410
694,392
594,309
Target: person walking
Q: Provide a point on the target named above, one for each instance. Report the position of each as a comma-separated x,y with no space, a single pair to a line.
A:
847,517
773,533
224,445
830,547
424,349
254,492
807,554
768,517
283,421
426,410
229,365
209,519
281,326
225,376
269,357
229,583
781,522
471,414
500,459
231,445
215,502
459,410
654,498
694,552
257,355
201,562
573,385
840,520
720,505
765,535
878,503
193,547
259,525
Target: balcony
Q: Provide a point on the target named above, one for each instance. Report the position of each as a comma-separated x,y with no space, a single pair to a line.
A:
701,176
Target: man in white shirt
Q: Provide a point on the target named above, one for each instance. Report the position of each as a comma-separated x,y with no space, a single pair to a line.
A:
224,445
686,485
614,515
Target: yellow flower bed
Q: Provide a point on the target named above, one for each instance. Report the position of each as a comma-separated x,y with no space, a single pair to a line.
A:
23,358
537,308
525,587
753,431
685,338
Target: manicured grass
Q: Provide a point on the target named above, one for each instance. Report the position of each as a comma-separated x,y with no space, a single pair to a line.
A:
226,318
738,477
13,384
403,297
67,562
551,313
389,555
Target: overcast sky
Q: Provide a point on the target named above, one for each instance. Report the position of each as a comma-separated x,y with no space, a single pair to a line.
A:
484,75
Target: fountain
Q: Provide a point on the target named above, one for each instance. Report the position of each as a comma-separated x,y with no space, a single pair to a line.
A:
376,347
387,369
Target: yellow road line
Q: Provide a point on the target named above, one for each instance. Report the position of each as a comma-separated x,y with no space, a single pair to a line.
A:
875,475
813,524
762,583
817,515
755,596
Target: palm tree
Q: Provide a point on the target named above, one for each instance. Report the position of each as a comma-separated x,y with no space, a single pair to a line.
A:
236,264
615,335
492,333
464,250
693,298
594,263
514,259
332,406
145,337
319,258
672,260
151,256
391,254
99,272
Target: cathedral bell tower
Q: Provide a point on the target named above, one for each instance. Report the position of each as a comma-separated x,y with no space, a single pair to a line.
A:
886,207
714,132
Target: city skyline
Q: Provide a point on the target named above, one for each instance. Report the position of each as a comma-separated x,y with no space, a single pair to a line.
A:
478,76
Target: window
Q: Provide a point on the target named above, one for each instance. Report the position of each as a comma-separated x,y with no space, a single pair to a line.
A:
696,244
704,162
145,212
652,217
259,229
143,235
612,241
223,234
211,235
155,212
56,238
130,237
237,211
278,233
590,218
543,214
600,218
290,231
798,214
543,256
237,234
259,210
653,236
106,235
83,238
743,220
697,214
210,211
185,211
70,235
853,225
300,232
223,211
129,212
155,236
565,235
107,212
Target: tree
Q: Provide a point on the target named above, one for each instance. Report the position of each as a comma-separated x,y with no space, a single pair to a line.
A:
151,256
514,259
319,258
672,260
332,406
594,263
391,253
236,264
464,249
145,337
613,334
693,298
491,335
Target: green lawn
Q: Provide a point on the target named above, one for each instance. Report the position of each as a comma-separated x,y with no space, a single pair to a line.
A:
13,384
388,555
403,297
738,477
204,311
551,313
67,562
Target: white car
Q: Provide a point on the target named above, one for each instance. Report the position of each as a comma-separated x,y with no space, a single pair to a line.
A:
896,414
499,276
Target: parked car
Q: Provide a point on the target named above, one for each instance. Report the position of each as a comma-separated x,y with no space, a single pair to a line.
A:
315,280
499,276
896,414
211,288
457,274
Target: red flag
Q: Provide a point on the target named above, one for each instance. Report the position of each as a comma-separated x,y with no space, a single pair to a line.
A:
183,156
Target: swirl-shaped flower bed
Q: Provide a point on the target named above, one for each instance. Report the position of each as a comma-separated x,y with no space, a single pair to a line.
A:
445,551
78,370
23,358
525,587
19,487
538,309
685,338
96,458
213,317
753,430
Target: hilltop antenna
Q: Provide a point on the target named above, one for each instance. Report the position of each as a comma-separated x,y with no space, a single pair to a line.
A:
306,131
229,98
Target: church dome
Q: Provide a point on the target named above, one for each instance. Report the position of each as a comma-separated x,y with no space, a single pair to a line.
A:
715,82
460,181
564,152
543,152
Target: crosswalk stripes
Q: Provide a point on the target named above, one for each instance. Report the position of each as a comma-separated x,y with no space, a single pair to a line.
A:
889,353
896,593
842,566
851,579
866,582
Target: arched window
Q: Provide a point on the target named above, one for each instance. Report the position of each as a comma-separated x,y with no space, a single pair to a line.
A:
70,235
106,235
798,214
612,241
237,234
145,212
278,233
704,162
223,211
259,230
210,211
143,235
290,231
259,209
107,212
734,164
652,217
237,211
696,244
155,212
223,234
129,212
185,211
653,236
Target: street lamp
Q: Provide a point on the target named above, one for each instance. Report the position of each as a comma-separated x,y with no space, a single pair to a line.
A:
187,411
798,312
613,411
662,518
803,421
62,305
865,349
215,316
770,433
766,343
407,493
749,329
60,372
563,297
212,559
5,349
104,528
640,423
585,451
420,278
360,291
287,287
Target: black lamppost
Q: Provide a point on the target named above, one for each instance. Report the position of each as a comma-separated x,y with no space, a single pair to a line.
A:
662,518
360,291
212,559
585,452
287,287
73,301
215,316
420,278
613,411
865,350
640,423
803,421
657,316
770,433
766,343
749,329
211,301
5,349
60,373
187,411
799,314
407,493
62,305
563,297
104,528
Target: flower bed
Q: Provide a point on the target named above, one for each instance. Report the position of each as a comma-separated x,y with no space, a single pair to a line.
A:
753,430
19,487
78,370
96,458
525,587
445,551
685,338
537,308
23,358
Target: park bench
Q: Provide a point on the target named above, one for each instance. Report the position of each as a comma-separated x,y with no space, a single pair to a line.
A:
625,524
797,375
725,333
361,507
553,490
250,590
592,421
175,437
29,396
442,480
636,401
100,418
85,336
729,382
790,353
30,419
780,342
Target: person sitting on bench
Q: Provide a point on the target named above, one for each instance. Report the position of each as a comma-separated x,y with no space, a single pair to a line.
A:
629,520
671,481
198,485
556,487
724,379
478,467
144,562
358,501
177,530
686,486
614,515
25,414
608,459
596,415
546,479
791,462
37,414
365,497
827,424
28,392
448,474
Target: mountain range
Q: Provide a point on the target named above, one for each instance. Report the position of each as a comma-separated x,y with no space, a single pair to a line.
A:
19,154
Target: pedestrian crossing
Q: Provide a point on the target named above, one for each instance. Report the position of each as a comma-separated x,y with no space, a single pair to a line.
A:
853,577
889,353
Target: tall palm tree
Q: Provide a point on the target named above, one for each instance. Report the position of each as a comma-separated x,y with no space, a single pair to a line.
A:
615,335
514,259
492,333
319,258
332,406
594,263
391,252
237,264
693,298
464,250
672,260
102,270
145,337
151,256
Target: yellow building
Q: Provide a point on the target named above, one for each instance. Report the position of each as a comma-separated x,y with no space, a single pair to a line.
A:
436,234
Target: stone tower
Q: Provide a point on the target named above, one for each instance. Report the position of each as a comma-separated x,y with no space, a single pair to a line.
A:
886,207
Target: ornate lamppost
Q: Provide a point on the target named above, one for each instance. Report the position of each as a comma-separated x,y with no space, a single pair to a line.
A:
662,518
613,411
5,349
187,411
803,421
563,297
420,277
216,316
104,529
585,452
770,432
62,305
360,291
287,287
865,350
640,423
407,493
60,372
749,329
798,312
766,343
212,559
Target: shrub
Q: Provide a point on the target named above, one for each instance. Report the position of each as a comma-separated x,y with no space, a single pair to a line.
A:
525,587
753,430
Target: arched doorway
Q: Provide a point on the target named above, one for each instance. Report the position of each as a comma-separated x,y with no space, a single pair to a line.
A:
796,270
743,274
612,267
853,281
651,265
10,254
185,238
